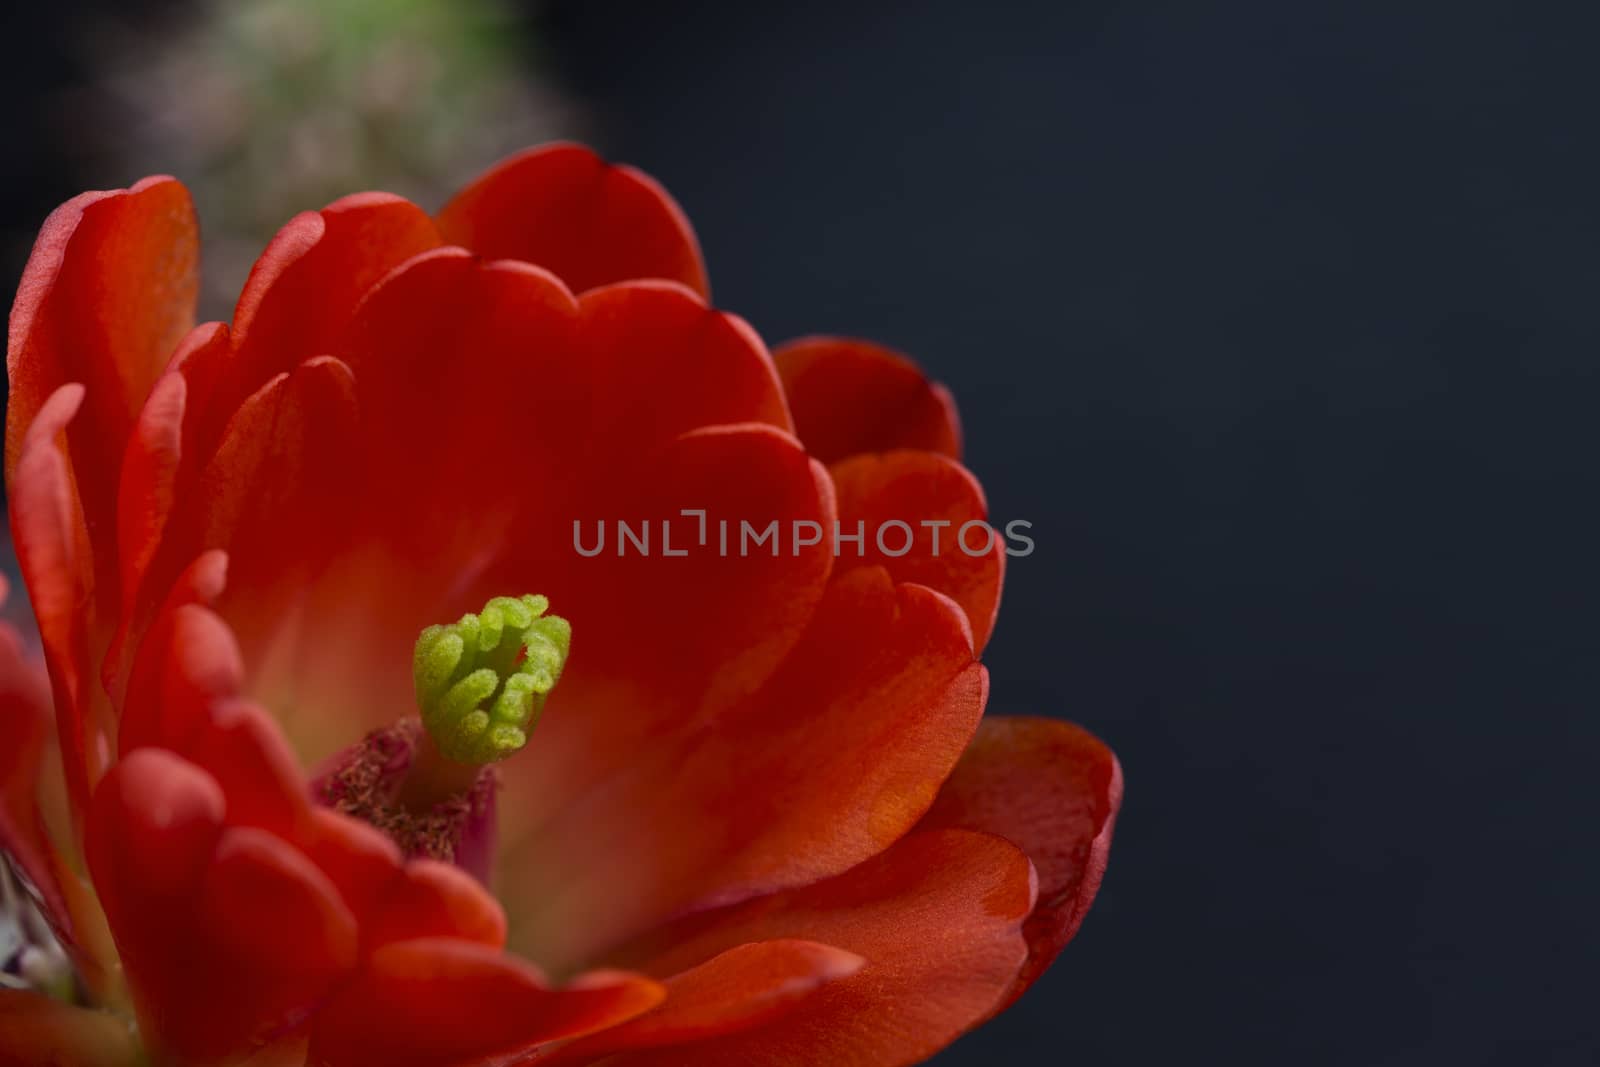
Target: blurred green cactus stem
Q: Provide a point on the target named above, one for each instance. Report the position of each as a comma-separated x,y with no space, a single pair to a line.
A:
481,682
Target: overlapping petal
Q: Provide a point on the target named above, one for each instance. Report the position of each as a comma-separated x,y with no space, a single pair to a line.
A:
443,1001
850,397
55,556
938,919
666,364
589,222
1053,789
297,303
922,517
108,291
162,460
305,288
745,987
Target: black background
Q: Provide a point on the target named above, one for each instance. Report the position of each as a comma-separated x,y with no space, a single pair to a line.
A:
1278,321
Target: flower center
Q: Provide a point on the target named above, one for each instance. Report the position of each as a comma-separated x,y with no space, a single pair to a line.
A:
481,684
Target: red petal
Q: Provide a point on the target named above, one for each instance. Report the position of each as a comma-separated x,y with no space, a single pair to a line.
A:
271,450
937,918
963,559
276,495
156,819
149,479
666,364
260,775
1053,789
36,1030
297,304
482,356
152,830
840,754
229,936
437,1000
432,899
24,734
24,725
53,552
184,699
852,396
361,860
303,292
462,368
744,987
188,665
272,910
108,291
162,465
563,208
135,687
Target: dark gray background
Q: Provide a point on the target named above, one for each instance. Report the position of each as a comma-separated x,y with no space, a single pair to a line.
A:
1277,319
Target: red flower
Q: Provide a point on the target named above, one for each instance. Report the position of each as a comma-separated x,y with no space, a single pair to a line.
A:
760,820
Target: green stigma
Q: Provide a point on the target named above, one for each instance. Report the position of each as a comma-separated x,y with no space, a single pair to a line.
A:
481,682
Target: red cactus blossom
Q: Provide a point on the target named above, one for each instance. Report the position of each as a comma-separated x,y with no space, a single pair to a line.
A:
678,800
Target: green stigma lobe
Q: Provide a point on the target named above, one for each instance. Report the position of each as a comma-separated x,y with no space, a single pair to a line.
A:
481,682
